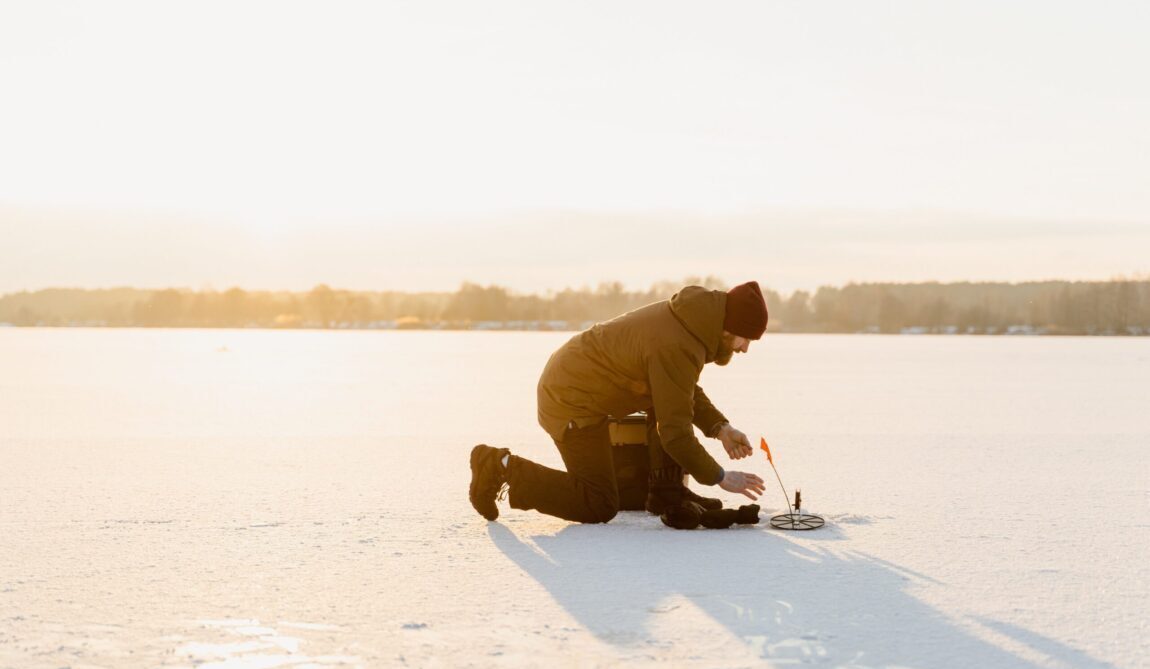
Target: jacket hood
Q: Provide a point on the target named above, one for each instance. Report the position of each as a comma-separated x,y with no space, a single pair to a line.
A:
701,311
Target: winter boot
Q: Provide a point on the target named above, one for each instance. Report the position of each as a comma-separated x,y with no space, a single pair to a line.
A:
487,478
661,492
682,516
708,503
665,489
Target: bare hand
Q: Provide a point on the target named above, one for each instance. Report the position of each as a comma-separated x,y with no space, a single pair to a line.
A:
735,442
742,482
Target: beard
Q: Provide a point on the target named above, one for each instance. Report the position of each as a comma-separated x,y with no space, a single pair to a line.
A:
725,353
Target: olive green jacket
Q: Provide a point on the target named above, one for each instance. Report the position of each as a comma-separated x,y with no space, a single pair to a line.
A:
649,358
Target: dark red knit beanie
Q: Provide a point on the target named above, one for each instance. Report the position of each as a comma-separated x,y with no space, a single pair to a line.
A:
746,314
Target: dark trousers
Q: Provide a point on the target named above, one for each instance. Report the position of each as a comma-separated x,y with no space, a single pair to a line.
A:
585,493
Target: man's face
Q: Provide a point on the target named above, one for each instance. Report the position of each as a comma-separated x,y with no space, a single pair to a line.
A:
729,345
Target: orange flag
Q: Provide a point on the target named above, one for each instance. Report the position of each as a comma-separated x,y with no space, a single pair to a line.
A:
763,445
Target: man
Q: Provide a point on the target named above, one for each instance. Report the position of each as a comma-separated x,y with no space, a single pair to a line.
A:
647,359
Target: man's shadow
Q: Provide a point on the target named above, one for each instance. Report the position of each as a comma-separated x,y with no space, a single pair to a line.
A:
785,601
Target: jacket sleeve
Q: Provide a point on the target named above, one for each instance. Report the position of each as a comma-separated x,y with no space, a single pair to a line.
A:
673,376
706,415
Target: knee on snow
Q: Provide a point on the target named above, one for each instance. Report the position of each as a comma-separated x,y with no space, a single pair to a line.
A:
600,509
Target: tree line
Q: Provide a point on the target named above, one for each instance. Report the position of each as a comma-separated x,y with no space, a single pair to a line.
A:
1116,307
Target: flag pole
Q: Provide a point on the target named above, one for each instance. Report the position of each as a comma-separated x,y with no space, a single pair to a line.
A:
763,445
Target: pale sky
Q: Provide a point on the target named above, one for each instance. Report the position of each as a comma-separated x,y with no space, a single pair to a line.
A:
544,144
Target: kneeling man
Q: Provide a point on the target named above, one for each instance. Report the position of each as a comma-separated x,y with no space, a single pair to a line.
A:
648,360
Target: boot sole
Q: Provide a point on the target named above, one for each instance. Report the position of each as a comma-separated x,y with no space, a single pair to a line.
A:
476,454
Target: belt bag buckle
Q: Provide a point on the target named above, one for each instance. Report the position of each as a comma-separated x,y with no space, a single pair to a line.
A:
580,423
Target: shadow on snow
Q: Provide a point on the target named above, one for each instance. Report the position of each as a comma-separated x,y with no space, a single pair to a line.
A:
783,600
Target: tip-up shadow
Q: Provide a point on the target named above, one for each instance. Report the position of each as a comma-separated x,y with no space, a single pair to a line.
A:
785,601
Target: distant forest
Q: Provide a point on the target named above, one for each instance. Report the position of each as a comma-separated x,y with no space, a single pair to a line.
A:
1116,307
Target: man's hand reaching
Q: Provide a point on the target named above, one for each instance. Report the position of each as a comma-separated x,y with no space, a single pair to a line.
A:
741,482
735,442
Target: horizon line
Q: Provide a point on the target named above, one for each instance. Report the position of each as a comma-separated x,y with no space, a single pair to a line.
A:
1115,278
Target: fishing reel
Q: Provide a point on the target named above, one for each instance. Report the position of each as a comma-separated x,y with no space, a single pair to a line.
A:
796,520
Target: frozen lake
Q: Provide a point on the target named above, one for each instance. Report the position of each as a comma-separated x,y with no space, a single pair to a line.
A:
272,498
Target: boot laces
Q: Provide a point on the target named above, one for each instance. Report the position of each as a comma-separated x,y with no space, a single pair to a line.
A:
502,492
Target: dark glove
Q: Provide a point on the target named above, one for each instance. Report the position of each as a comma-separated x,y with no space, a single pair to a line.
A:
682,516
748,514
719,519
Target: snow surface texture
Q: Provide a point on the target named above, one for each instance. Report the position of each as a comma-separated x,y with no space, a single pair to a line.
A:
263,499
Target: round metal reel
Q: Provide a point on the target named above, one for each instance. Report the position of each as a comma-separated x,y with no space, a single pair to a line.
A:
796,521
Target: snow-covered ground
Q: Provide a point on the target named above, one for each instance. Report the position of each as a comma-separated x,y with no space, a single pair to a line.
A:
259,499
